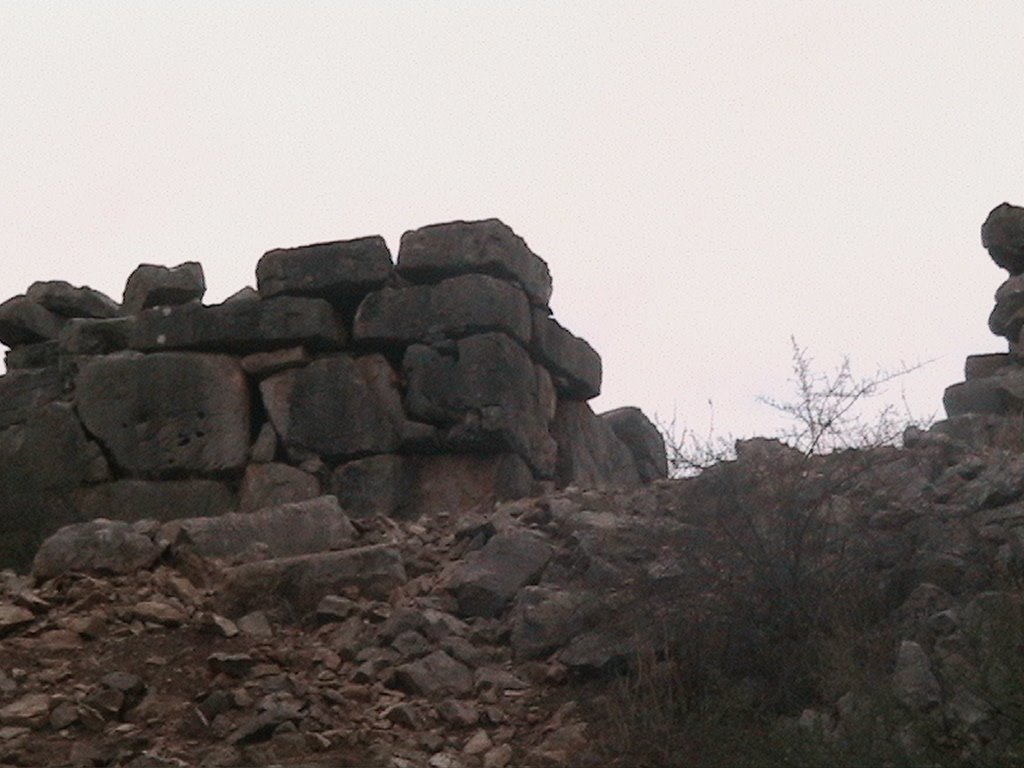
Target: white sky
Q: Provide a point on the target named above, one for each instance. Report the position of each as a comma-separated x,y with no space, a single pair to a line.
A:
704,178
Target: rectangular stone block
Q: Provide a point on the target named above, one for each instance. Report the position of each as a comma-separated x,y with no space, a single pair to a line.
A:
451,309
240,326
22,392
341,272
169,414
574,365
132,500
486,247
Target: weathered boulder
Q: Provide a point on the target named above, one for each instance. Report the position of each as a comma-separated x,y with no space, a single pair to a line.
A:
486,393
152,285
49,452
996,395
589,452
434,675
303,581
489,247
304,527
337,407
86,336
1007,315
23,321
167,414
243,326
487,580
100,545
132,500
22,392
67,300
643,440
376,485
267,485
572,362
341,272
913,682
453,308
1002,235
544,619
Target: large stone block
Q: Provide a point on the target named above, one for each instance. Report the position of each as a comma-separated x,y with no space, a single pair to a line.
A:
22,392
453,308
488,247
643,440
301,582
83,336
168,414
132,500
337,407
42,354
267,485
376,485
485,583
572,362
486,393
23,321
342,272
1002,395
589,453
153,285
102,545
285,530
65,299
983,366
48,452
241,326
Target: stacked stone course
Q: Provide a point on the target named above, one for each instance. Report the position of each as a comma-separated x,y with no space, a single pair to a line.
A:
437,382
989,403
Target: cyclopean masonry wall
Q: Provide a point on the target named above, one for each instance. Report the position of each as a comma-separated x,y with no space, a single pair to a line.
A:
438,382
989,405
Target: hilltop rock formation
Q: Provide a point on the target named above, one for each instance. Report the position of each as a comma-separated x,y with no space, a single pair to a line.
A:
429,384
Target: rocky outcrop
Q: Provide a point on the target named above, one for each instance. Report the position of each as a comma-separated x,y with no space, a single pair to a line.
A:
438,382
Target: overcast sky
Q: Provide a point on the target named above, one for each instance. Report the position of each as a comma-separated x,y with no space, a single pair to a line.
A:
705,179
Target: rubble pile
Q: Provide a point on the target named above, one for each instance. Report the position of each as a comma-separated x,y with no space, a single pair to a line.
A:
437,382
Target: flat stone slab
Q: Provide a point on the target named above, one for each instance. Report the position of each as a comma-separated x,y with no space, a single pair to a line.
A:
101,545
484,247
303,581
167,414
68,300
1002,395
23,321
315,525
132,500
343,271
152,285
240,326
452,309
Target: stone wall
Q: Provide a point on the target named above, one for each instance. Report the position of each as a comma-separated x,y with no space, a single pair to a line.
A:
437,382
988,405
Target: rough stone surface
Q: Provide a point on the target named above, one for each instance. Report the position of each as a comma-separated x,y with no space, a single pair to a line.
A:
376,485
84,336
23,392
643,440
452,308
132,500
285,530
337,407
167,414
994,395
1008,314
487,246
262,364
267,485
23,321
544,619
1002,235
913,682
984,366
342,271
246,326
457,482
152,285
101,545
589,453
487,394
303,581
435,675
49,451
487,580
64,299
572,362
42,354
